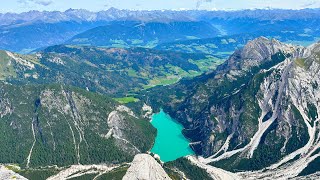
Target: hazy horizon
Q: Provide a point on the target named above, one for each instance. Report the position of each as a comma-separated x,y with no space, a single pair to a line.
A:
19,6
226,10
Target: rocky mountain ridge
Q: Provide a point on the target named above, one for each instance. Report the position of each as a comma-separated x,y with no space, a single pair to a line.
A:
47,125
160,15
50,28
258,110
143,34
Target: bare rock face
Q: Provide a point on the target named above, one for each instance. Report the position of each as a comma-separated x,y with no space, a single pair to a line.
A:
253,54
68,120
118,125
8,174
259,112
145,167
222,104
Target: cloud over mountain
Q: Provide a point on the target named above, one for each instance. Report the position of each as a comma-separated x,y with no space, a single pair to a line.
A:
37,2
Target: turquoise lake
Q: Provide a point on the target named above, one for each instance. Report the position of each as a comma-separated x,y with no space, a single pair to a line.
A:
170,143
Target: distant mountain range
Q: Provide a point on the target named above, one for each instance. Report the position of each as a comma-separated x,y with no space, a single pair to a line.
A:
155,15
31,31
143,34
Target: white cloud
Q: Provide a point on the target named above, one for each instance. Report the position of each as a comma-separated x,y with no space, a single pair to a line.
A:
311,4
37,2
200,2
43,2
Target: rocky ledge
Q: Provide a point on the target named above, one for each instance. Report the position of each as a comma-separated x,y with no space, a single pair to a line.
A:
145,167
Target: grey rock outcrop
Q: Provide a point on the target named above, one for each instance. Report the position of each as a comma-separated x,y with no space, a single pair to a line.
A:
145,167
259,110
8,174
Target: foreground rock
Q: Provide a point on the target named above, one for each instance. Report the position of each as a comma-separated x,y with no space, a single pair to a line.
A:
145,167
8,174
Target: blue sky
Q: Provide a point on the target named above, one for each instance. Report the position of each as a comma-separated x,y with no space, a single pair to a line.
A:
97,5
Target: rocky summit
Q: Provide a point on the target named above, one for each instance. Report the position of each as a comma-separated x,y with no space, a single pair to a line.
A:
258,110
145,167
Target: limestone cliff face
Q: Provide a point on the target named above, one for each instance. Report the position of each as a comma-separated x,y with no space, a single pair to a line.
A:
145,167
287,132
221,108
253,54
258,110
47,125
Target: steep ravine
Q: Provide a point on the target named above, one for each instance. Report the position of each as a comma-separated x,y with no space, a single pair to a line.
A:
258,112
54,125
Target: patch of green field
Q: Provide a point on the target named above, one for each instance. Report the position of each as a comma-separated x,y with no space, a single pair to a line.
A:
185,48
132,73
208,64
6,67
192,37
31,58
118,45
164,81
173,74
148,86
202,49
136,41
232,40
224,54
190,170
117,41
224,41
116,174
161,81
79,40
125,100
41,174
13,167
211,46
152,44
90,63
208,48
300,62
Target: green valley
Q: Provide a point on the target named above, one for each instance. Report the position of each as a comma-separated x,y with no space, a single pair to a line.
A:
113,71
